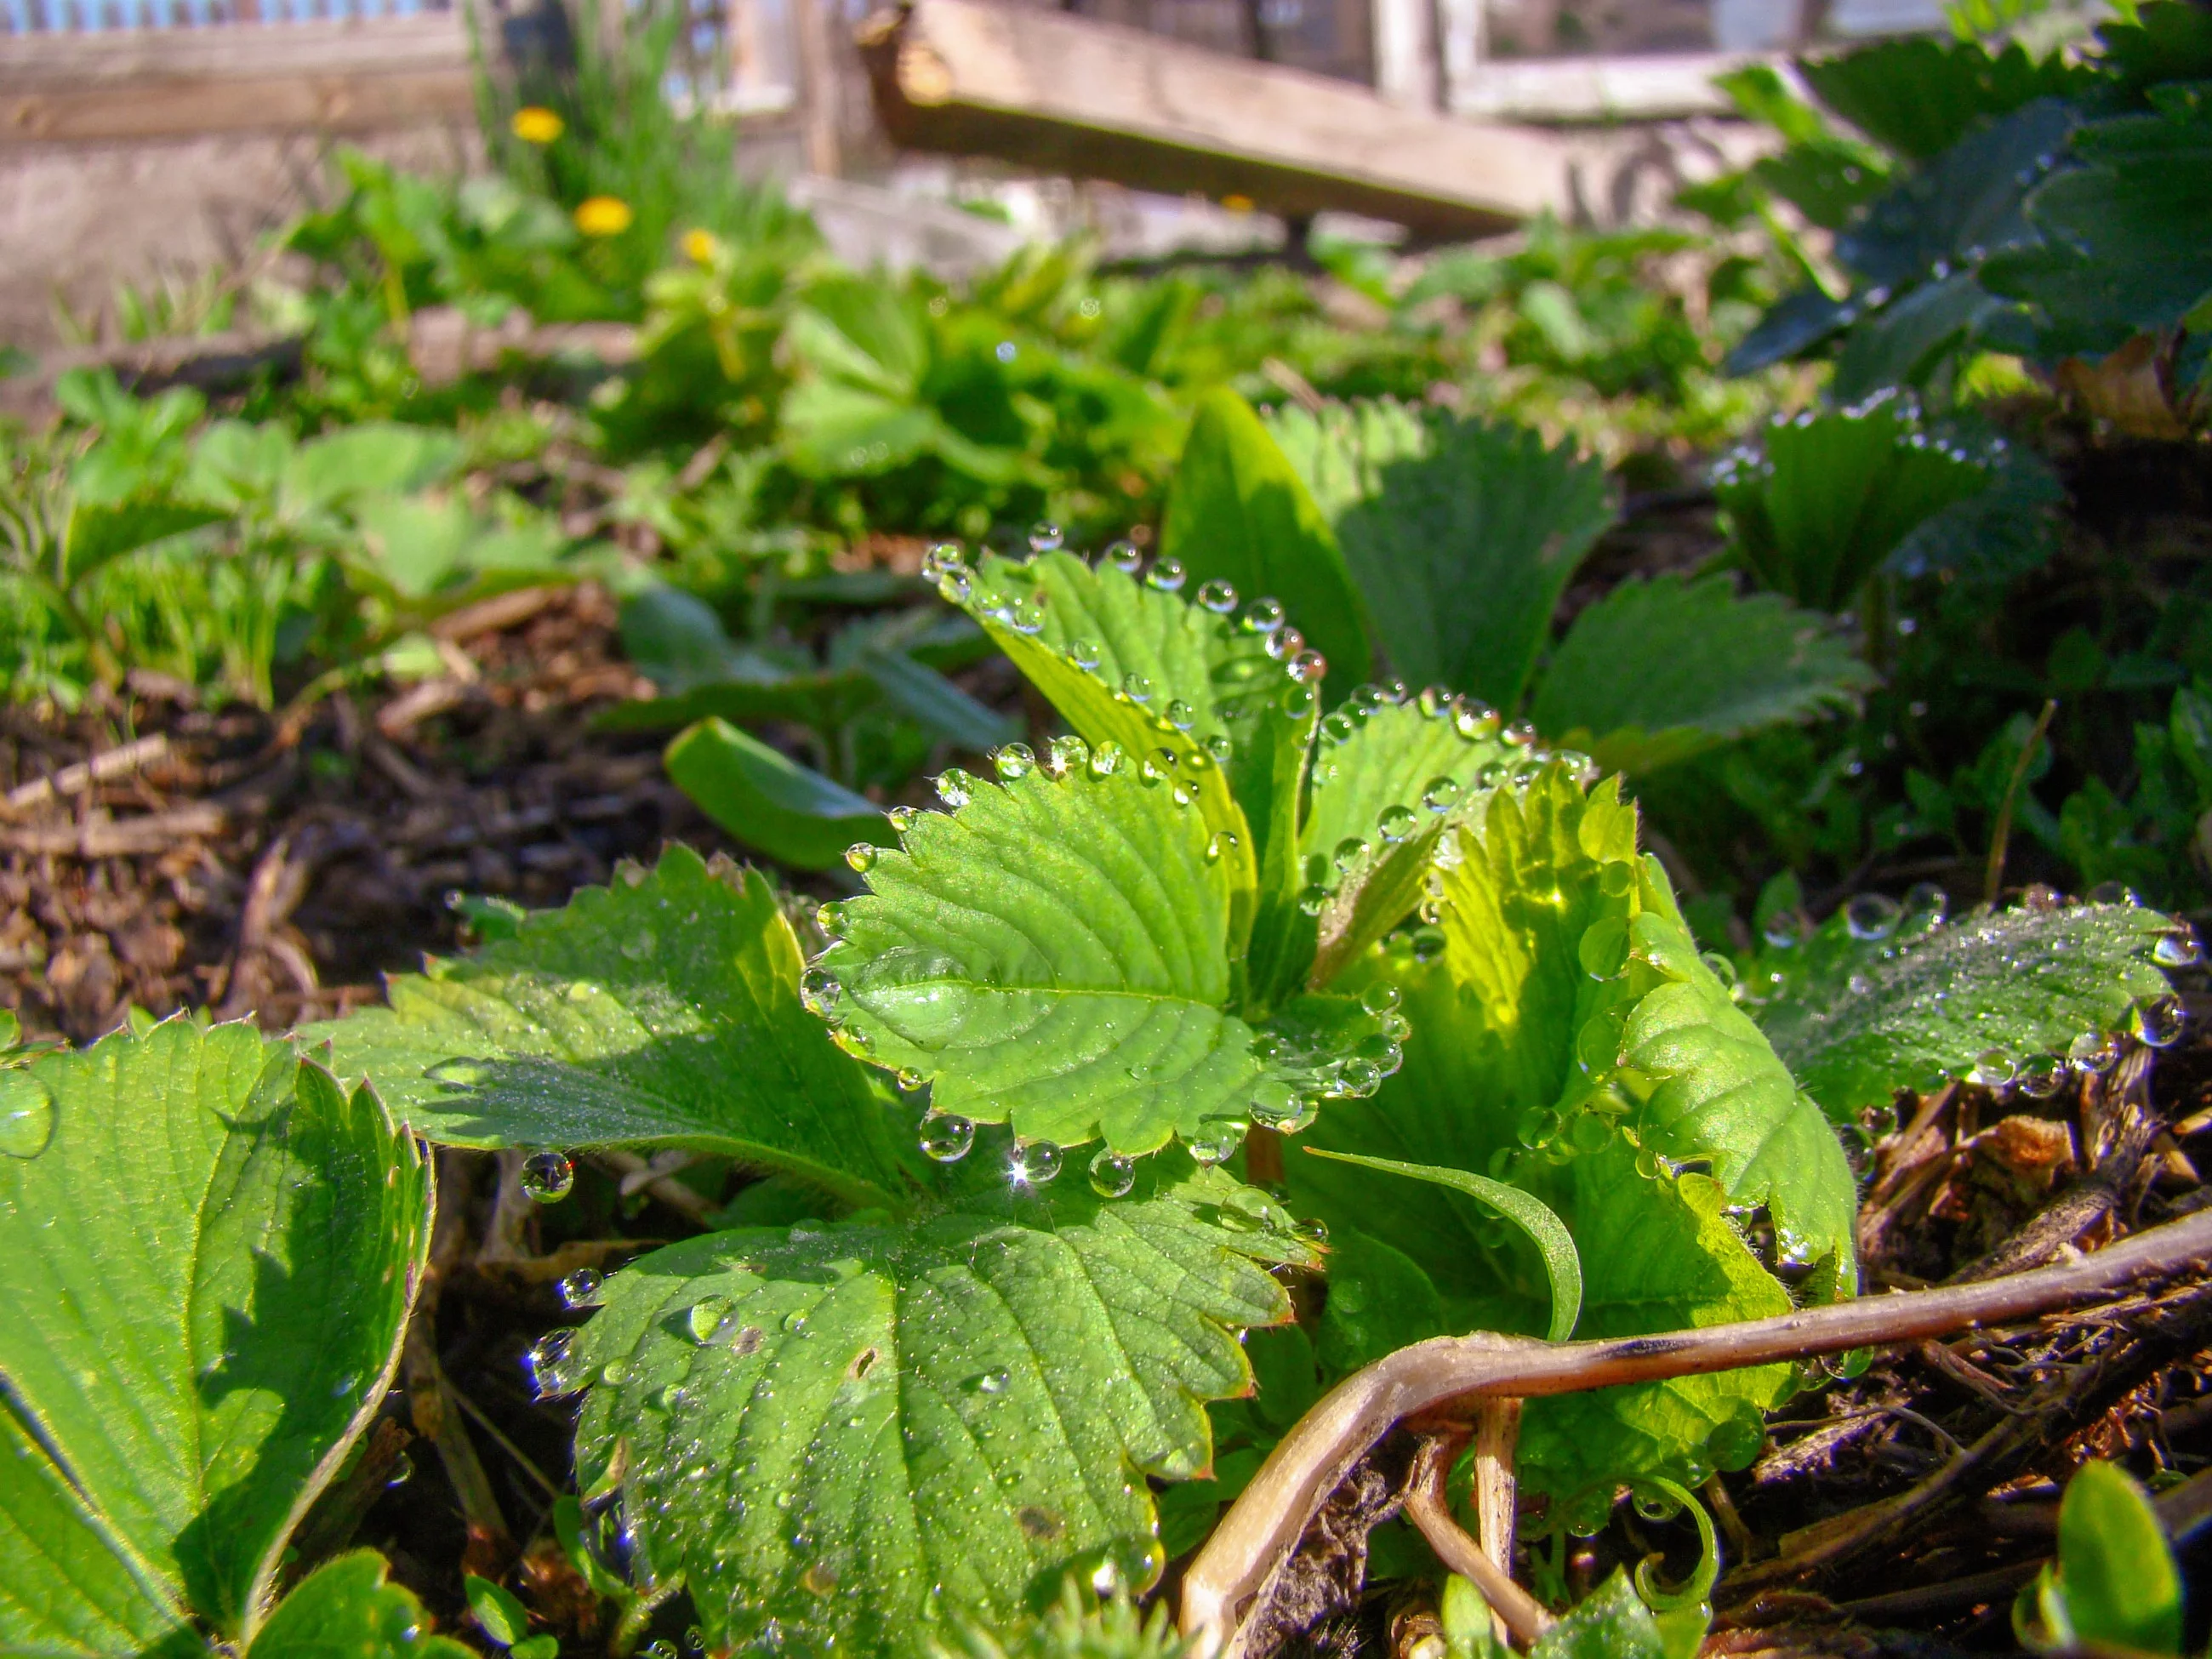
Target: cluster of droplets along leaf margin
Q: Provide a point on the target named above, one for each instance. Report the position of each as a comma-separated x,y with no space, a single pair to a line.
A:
1889,927
947,1137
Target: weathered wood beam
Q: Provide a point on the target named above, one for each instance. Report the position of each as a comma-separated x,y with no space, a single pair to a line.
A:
355,76
1064,94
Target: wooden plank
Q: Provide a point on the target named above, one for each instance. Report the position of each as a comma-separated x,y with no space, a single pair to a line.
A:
1059,93
356,76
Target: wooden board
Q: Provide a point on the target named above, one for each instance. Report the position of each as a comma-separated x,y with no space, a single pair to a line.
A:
1056,94
350,76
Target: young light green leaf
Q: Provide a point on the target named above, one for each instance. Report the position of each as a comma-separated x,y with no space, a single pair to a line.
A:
69,1586
660,1010
258,1233
347,1609
1830,496
1611,1623
768,801
1658,670
1713,1088
1238,513
1532,1215
1390,777
1463,547
1073,1628
2116,1586
850,1435
1881,998
1659,1253
1057,956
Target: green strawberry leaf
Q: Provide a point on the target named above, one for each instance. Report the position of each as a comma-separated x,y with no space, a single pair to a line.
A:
1338,451
768,801
1611,1623
68,1584
1828,497
1883,997
1658,670
662,1010
346,1609
1238,513
1057,954
1462,543
1389,776
1562,1265
257,1232
842,1438
1659,1254
2116,1587
1136,666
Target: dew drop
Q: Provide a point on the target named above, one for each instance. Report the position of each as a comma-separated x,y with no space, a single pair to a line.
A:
1112,1175
1262,617
1395,824
1106,759
988,1382
1441,794
903,818
1871,916
708,1316
1125,557
1216,1141
551,1365
861,856
1045,538
1137,688
1381,999
1221,843
1993,1069
1313,899
1034,1164
955,787
819,990
547,1177
1168,576
1065,754
580,1289
1349,852
2159,1022
1783,930
1217,596
831,919
1014,761
27,1114
1084,654
1308,666
1925,906
946,1138
2093,1051
2178,948
2042,1076
2114,892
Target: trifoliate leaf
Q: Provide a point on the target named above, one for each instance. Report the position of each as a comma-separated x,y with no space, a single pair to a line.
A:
1388,777
346,1609
1463,547
1561,1266
1659,1254
255,1233
770,801
844,1438
1831,495
1662,670
1238,513
1881,998
663,1009
1057,956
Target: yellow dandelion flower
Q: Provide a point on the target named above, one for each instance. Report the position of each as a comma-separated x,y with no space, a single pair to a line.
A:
536,125
603,215
1237,203
700,246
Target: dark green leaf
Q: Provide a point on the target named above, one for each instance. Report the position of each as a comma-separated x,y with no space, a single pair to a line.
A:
926,696
770,801
1657,671
1919,97
1877,999
1237,513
